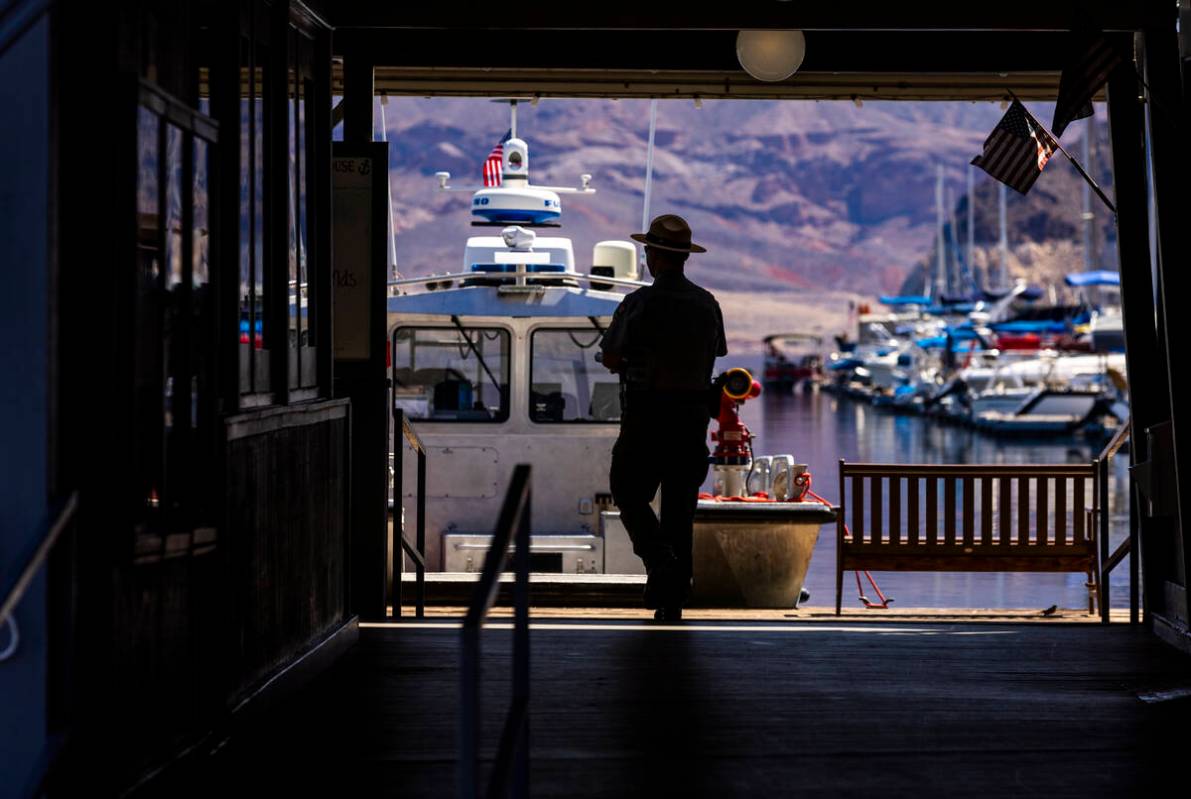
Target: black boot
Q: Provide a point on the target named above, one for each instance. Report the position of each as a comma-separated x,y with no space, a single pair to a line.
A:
670,613
659,586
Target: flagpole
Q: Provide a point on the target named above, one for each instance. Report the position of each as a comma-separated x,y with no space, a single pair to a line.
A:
1078,166
1095,186
971,229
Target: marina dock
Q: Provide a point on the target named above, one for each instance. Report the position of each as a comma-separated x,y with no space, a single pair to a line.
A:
271,371
736,705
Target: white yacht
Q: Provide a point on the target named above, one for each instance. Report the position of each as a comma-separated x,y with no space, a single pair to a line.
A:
495,365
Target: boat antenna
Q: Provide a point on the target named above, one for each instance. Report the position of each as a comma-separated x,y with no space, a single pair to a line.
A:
653,123
512,119
384,136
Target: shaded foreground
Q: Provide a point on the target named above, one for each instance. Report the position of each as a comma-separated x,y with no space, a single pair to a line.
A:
737,707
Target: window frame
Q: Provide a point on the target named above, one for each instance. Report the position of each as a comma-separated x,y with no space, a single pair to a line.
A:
284,41
506,393
530,382
181,471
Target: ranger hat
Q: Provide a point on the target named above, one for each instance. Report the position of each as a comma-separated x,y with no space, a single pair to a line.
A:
669,232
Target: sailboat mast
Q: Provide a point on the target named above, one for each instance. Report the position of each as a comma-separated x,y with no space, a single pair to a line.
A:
958,268
971,229
1088,215
1003,270
940,244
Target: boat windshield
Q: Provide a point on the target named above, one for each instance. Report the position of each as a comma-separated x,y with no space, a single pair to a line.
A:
566,382
444,374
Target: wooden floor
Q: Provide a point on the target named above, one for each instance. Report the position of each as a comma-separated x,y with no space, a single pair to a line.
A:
738,707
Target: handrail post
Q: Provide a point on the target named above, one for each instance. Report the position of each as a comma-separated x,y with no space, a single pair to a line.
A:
403,432
1134,555
420,569
397,531
467,770
1103,592
520,786
510,771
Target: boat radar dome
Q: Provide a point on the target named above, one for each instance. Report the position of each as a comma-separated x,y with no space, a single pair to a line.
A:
515,201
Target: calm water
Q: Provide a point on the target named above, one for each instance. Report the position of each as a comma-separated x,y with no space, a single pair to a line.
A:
819,429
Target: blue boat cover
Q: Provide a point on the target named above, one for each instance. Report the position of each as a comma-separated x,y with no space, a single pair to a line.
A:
1039,326
905,300
1099,277
951,310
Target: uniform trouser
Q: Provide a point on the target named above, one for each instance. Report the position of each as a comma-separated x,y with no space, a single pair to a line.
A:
660,447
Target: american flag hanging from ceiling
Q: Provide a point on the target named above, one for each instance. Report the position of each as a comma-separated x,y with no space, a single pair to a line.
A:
492,164
1017,149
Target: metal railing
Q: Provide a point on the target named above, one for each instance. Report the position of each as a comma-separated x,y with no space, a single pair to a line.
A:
1108,562
520,277
17,581
416,551
510,770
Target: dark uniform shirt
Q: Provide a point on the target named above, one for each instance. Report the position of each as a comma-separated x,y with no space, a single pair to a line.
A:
669,334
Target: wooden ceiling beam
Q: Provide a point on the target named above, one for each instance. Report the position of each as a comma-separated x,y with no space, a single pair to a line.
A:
826,51
883,15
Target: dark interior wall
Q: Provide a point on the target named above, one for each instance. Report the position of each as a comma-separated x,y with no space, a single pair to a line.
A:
287,484
179,613
25,391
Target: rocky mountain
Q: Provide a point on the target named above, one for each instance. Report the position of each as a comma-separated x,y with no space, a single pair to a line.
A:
819,201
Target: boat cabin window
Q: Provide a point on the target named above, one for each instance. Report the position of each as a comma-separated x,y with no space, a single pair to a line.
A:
447,374
566,382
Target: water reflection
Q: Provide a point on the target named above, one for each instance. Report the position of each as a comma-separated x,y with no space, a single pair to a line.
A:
820,429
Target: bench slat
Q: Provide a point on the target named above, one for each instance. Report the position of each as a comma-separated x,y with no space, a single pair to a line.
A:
895,509
1042,511
1023,510
949,510
986,510
969,511
857,509
1005,510
912,511
932,510
1060,510
968,470
876,505
1077,511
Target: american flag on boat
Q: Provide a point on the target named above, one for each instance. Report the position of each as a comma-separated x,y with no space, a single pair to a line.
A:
492,164
1017,149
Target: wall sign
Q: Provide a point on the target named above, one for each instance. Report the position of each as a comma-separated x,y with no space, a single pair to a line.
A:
353,203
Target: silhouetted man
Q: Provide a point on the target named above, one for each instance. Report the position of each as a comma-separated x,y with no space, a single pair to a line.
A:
663,340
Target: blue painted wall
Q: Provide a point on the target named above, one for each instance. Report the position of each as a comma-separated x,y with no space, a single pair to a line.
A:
24,304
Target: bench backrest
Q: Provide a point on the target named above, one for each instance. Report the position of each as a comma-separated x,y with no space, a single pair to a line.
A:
968,505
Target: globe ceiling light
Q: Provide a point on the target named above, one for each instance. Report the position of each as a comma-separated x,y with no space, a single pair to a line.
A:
770,55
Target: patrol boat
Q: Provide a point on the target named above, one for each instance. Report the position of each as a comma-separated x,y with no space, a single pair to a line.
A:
494,365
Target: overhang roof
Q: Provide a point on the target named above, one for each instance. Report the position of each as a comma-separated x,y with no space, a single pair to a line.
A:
958,65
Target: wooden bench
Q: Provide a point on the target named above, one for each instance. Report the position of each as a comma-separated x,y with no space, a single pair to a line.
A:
969,518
